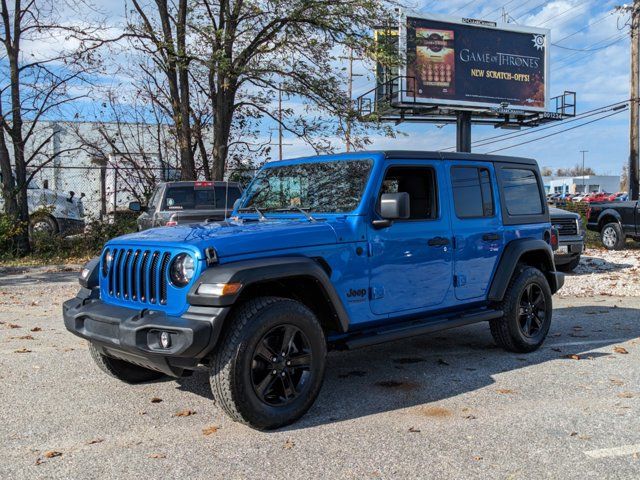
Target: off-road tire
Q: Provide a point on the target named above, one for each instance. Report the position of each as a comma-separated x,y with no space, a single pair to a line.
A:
230,366
42,224
569,267
619,239
124,371
506,330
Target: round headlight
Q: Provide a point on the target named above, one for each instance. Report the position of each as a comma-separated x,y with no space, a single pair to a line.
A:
107,258
182,269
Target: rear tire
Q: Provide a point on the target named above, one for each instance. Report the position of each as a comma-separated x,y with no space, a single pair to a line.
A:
569,267
124,371
612,236
42,224
527,307
250,378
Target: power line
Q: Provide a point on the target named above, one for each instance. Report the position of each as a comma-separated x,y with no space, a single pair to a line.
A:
510,136
531,11
562,13
619,38
557,133
585,27
497,9
463,7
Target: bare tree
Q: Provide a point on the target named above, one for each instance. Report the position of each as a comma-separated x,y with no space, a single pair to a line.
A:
37,84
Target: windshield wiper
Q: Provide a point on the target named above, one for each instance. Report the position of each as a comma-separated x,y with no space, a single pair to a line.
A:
261,216
293,208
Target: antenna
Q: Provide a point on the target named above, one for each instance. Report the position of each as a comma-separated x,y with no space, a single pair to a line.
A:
226,198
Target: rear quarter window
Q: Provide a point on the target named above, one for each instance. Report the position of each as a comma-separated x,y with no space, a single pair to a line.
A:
521,191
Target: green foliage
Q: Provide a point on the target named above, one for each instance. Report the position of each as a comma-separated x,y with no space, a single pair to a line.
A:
58,249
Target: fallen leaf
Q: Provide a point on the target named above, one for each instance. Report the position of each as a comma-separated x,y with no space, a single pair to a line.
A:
184,413
616,381
24,337
22,350
470,417
13,325
94,441
288,445
157,455
438,412
209,430
156,400
36,329
625,395
477,458
572,356
414,430
620,350
573,434
505,391
52,454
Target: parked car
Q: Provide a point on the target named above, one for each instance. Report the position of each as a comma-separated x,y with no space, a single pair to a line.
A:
615,222
53,212
598,197
333,252
618,197
579,197
177,203
570,239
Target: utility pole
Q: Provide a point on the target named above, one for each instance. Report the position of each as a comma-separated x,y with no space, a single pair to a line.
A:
505,15
347,132
634,133
583,179
280,123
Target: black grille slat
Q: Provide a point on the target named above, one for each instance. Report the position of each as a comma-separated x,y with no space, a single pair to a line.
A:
565,226
153,277
134,275
118,277
163,277
112,271
126,275
143,276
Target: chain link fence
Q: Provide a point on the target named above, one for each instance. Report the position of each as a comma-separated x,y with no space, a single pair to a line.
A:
107,190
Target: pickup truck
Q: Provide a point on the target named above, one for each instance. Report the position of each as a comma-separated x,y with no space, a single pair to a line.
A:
178,203
615,222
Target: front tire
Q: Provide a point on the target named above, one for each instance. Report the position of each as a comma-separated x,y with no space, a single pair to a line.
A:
612,236
124,371
269,367
527,308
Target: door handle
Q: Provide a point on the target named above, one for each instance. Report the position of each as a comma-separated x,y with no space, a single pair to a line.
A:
438,242
490,237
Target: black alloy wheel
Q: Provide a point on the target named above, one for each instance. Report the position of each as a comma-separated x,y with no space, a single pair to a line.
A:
533,310
281,365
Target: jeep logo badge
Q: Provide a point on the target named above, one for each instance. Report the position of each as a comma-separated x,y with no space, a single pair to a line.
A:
357,293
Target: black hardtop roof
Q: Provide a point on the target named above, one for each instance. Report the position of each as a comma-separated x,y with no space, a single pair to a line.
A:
472,157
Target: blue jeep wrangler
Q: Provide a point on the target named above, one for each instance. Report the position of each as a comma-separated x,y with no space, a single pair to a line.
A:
322,253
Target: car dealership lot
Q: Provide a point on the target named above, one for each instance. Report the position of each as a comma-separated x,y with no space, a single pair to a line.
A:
448,405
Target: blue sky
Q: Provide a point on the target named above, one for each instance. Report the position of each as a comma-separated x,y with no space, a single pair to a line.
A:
599,77
592,59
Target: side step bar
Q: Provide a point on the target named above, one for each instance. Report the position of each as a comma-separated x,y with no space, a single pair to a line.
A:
417,327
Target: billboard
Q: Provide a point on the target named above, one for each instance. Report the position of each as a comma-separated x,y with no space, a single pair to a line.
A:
466,62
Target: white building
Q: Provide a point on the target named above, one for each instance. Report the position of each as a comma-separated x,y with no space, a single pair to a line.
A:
582,184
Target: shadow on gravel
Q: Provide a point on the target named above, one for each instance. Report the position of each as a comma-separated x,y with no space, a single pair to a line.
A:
589,265
23,277
420,371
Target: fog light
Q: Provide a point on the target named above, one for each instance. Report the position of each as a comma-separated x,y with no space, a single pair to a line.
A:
165,339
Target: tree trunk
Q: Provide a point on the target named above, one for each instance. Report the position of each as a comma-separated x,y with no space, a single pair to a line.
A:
8,182
221,133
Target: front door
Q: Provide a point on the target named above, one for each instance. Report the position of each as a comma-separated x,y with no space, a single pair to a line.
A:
411,261
478,232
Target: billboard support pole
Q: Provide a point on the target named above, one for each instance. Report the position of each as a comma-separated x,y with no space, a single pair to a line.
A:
463,132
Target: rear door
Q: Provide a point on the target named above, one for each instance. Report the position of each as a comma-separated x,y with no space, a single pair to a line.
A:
411,261
477,230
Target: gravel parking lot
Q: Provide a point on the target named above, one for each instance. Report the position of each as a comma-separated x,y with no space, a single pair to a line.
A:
450,405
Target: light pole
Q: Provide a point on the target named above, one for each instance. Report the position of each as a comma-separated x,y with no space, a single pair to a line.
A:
584,189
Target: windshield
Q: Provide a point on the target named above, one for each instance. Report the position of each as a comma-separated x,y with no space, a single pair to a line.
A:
322,187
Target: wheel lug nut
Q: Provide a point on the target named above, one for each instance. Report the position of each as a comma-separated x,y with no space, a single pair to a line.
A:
282,374
283,354
289,362
274,372
274,359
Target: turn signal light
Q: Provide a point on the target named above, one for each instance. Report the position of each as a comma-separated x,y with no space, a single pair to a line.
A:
219,289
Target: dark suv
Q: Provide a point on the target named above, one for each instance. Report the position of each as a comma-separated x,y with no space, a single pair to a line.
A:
322,253
176,203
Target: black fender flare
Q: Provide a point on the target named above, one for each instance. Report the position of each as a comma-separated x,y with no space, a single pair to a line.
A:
510,258
249,272
609,212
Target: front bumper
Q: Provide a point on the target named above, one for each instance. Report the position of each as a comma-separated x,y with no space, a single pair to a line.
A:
134,335
574,247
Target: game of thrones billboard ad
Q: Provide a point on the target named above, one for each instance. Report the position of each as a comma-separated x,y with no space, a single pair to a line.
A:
475,63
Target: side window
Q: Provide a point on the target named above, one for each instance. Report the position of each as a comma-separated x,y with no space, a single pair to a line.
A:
521,191
472,193
153,202
226,196
420,184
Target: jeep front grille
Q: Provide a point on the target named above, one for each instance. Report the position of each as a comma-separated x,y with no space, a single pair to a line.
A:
565,226
138,275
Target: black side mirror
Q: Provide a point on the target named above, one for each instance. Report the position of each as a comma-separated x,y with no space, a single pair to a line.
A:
135,206
393,206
